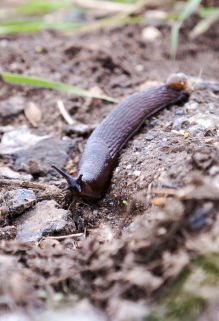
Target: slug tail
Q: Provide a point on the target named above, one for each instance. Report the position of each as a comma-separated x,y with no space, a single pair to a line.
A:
73,183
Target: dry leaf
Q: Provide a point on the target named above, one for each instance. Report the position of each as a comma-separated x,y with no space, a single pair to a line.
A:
33,114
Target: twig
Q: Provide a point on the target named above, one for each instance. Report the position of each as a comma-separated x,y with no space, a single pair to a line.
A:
62,237
25,184
64,113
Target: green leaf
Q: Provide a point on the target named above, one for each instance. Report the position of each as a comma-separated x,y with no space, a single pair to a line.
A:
43,83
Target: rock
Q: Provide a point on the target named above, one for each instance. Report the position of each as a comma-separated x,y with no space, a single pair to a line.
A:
205,121
33,153
5,129
149,136
43,154
19,139
79,128
137,173
151,34
11,106
178,123
18,200
165,181
15,316
203,159
6,172
74,15
153,122
179,112
82,311
191,105
45,218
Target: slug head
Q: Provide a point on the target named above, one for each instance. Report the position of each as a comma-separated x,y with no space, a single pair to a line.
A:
74,184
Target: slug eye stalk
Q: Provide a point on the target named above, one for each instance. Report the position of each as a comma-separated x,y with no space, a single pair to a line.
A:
73,183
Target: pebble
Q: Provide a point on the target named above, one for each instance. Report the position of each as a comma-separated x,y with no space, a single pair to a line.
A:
79,128
19,200
205,121
153,122
82,310
165,181
149,136
11,106
214,170
178,123
151,33
74,15
192,105
195,128
45,218
139,68
5,129
19,139
7,172
179,112
137,173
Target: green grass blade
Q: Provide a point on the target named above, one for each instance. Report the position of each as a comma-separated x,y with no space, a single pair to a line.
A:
174,39
43,83
34,26
35,7
204,24
190,7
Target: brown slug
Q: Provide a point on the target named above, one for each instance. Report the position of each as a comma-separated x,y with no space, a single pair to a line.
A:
104,144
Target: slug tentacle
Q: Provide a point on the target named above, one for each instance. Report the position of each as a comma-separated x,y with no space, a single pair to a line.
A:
73,183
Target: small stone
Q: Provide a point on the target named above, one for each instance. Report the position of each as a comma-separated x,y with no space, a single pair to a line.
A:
195,128
39,157
18,140
19,200
11,106
139,68
192,105
205,121
137,173
5,129
45,219
79,128
214,170
6,172
151,34
177,124
179,112
153,122
149,136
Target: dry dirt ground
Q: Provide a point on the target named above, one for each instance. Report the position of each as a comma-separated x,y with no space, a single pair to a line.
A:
160,212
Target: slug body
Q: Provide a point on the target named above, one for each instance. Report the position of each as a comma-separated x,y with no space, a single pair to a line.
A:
104,144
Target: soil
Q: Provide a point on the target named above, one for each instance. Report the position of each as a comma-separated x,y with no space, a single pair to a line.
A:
121,253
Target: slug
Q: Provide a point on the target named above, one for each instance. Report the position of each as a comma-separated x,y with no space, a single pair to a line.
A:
104,144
